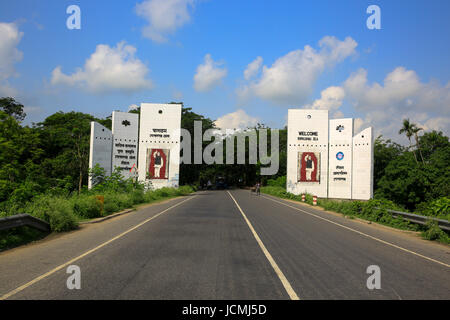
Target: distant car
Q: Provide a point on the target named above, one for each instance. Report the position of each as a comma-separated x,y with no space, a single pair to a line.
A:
221,184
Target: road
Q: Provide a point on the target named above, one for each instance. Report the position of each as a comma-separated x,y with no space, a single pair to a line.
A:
228,245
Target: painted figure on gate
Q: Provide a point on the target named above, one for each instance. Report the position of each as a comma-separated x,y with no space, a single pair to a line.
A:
158,163
309,167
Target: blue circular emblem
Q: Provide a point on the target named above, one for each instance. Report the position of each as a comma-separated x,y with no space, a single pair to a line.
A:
340,155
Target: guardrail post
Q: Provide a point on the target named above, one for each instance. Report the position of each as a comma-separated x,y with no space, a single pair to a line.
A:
303,198
314,200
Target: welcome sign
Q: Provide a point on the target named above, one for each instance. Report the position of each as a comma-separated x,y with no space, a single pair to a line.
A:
325,159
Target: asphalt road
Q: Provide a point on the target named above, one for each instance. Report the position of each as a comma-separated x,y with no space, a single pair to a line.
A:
228,245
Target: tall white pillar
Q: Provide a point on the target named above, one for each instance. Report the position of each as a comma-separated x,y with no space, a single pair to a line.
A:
159,144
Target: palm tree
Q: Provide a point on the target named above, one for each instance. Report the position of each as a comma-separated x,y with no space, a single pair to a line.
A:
415,131
408,129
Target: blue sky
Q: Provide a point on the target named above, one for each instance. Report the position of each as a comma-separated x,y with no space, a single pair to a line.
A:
197,52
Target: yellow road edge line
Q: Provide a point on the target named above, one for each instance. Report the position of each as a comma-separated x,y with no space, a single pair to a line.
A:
287,286
361,233
45,275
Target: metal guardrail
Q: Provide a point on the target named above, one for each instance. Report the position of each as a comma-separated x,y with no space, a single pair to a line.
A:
20,220
415,218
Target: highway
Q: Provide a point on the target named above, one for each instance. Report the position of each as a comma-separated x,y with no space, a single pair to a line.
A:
228,245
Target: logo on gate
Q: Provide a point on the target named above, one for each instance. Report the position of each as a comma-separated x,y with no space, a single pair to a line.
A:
340,156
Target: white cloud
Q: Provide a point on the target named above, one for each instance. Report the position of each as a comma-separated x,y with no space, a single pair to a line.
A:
253,68
208,75
236,120
338,115
163,16
108,69
384,106
10,37
291,78
330,99
6,90
358,123
402,95
437,123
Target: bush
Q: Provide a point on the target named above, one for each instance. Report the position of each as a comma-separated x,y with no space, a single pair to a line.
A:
433,232
439,208
110,205
86,206
278,182
17,236
185,190
57,211
62,212
137,196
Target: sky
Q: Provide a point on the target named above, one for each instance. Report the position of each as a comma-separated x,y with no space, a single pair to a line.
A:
237,62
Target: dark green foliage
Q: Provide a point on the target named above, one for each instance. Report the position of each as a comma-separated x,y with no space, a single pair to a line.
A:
408,182
439,208
86,206
17,236
433,232
12,108
56,210
278,182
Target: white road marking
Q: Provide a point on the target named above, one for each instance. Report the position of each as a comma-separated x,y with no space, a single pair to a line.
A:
361,233
287,286
45,275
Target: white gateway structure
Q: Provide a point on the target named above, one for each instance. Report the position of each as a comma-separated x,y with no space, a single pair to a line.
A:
147,147
325,159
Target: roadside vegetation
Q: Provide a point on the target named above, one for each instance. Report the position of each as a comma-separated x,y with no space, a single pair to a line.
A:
63,211
374,210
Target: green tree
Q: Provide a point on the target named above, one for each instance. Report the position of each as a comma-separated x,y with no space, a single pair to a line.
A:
19,158
385,151
12,108
65,139
415,131
409,185
408,130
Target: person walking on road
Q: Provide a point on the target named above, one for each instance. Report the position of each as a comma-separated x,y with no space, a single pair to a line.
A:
258,187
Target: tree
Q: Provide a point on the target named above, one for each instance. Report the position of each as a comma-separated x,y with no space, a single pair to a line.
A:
13,108
19,158
433,141
403,185
408,128
190,173
416,130
385,151
65,138
409,185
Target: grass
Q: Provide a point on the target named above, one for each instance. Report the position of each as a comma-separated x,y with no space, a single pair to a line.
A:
64,213
374,210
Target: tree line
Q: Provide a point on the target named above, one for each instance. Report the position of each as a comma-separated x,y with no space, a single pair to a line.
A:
53,156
